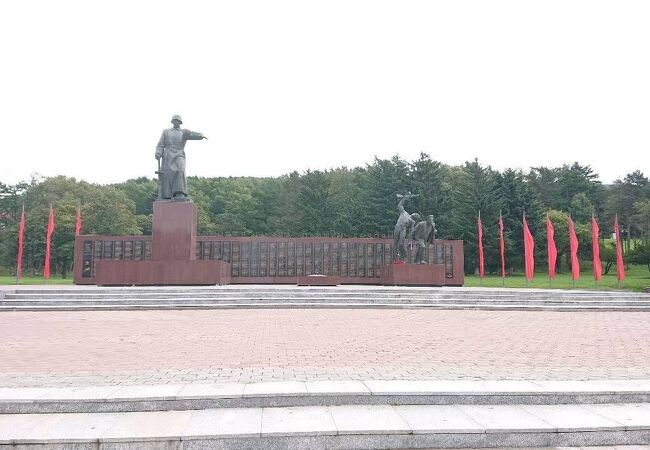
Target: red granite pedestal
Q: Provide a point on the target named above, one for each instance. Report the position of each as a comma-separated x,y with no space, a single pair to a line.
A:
173,254
413,275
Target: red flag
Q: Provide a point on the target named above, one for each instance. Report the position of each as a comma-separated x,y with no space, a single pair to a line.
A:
48,242
573,248
502,245
552,249
595,231
481,261
529,251
21,236
620,268
77,228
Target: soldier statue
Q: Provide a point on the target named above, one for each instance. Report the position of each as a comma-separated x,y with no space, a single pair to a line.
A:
170,153
404,222
423,234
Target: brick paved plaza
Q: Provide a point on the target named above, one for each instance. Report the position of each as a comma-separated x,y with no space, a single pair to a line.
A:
154,347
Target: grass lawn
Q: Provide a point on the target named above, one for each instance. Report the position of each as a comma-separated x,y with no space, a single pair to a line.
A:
35,280
636,278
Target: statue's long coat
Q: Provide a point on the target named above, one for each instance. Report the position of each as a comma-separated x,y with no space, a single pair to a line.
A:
171,147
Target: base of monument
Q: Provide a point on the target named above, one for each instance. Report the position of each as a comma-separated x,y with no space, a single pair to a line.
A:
413,275
319,280
152,273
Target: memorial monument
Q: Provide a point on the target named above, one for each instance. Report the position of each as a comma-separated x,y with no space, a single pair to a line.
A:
175,255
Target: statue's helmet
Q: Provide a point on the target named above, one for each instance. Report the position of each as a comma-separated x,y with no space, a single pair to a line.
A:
177,117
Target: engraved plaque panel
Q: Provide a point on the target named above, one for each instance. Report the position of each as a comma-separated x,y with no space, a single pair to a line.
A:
245,263
87,259
282,259
334,255
147,249
309,259
119,250
255,259
352,260
327,261
273,259
379,257
370,260
137,250
388,254
207,250
343,258
449,261
361,260
291,259
128,250
227,251
108,250
300,258
318,258
216,250
98,250
235,259
264,259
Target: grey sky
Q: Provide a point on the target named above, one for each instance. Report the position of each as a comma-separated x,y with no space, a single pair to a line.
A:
86,87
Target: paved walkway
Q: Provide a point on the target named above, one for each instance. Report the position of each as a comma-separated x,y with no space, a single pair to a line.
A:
157,347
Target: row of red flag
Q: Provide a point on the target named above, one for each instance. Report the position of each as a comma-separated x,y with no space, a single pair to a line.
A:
529,250
48,241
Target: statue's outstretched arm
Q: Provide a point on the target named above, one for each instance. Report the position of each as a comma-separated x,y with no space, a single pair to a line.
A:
400,205
193,135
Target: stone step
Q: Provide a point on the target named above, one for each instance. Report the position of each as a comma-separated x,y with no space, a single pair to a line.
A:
81,399
300,299
335,427
487,306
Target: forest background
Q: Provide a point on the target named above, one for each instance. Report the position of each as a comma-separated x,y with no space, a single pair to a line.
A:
348,202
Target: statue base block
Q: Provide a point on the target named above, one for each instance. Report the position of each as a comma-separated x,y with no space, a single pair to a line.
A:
412,275
153,273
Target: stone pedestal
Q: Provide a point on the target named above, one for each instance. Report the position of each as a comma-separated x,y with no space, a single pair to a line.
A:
174,231
173,254
413,275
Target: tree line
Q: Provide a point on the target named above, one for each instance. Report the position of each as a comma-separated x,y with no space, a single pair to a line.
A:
347,202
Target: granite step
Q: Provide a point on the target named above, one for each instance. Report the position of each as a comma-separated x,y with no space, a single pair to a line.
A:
485,306
335,427
297,299
193,396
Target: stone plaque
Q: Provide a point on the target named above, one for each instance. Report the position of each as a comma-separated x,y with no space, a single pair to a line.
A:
119,250
87,258
137,250
273,259
235,259
300,259
291,259
264,259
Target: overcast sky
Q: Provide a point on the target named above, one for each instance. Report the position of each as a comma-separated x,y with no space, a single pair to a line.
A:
87,86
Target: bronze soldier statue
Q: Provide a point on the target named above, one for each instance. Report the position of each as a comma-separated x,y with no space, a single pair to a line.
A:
170,153
423,233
